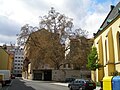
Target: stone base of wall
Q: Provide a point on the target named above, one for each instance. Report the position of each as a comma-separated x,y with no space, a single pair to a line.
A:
61,75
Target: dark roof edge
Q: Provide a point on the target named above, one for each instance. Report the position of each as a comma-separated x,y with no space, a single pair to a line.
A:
106,18
99,32
103,23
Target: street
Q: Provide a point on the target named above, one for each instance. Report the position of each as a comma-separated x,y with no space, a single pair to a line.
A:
20,84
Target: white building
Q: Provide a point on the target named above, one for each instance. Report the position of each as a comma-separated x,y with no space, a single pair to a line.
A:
18,61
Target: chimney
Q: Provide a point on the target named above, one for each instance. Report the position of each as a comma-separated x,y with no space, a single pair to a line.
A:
112,6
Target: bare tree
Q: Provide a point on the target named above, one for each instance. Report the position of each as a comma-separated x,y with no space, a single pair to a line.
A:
57,23
79,49
49,47
47,50
25,31
81,33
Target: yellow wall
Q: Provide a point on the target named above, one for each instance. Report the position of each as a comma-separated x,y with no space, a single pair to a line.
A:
4,56
108,54
101,60
10,62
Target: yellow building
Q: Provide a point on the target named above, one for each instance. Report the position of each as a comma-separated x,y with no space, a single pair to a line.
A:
6,60
107,42
10,62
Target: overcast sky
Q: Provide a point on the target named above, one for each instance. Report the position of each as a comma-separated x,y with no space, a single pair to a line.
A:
86,14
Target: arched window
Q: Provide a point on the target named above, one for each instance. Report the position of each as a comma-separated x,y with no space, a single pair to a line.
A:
106,50
118,45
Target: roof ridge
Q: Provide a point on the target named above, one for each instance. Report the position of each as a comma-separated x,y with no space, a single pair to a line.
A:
113,13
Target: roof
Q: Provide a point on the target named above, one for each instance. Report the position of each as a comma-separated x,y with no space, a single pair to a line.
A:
113,14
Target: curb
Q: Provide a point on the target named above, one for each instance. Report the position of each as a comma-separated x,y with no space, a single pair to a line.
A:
61,84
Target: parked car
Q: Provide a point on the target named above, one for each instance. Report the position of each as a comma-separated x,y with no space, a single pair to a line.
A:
82,84
68,80
5,77
12,76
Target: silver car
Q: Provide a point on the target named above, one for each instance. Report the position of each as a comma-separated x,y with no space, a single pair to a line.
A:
82,84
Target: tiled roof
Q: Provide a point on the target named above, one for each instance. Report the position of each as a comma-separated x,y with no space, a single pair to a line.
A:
115,11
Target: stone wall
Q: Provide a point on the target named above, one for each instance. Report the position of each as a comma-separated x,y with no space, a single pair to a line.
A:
61,75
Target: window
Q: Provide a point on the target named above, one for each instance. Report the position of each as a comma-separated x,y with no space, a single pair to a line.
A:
64,66
82,81
15,71
15,63
69,65
119,48
118,44
106,50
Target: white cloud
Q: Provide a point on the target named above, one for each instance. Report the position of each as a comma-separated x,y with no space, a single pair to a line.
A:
15,10
93,22
7,40
54,2
87,14
94,17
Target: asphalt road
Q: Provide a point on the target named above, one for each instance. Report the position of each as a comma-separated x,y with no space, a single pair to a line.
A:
19,84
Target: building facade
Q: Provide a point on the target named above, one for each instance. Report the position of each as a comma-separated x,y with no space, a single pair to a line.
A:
107,42
18,61
10,51
39,64
40,53
6,59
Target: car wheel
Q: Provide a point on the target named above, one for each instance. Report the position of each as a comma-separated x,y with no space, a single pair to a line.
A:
70,87
80,88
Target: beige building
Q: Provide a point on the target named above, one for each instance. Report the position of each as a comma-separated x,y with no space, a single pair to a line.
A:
41,55
107,42
35,66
